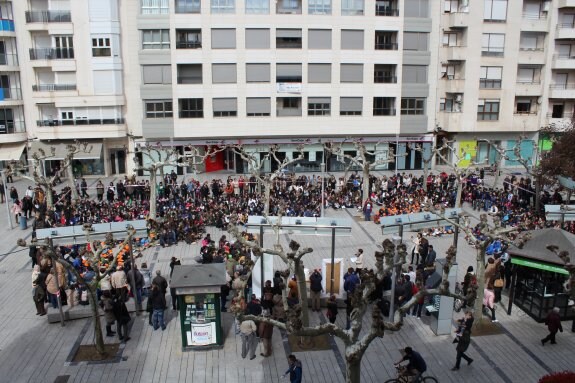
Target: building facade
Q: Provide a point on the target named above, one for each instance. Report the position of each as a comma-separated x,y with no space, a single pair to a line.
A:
213,72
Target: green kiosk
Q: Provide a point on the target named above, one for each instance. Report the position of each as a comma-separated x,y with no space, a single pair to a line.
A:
198,289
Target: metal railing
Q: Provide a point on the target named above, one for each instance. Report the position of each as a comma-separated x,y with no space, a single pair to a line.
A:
188,44
189,79
492,53
9,59
386,46
565,25
381,10
528,82
97,121
384,79
48,16
194,8
384,111
562,56
485,83
12,127
530,16
563,115
51,53
538,49
562,86
11,93
53,87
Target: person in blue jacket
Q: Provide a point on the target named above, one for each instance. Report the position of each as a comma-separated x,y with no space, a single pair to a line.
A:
294,370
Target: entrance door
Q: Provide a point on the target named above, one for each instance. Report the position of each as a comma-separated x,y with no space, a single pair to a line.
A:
118,161
418,165
408,153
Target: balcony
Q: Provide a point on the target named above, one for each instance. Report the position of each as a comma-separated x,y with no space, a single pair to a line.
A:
9,59
453,85
53,87
563,61
532,88
289,7
6,25
565,31
76,122
51,53
13,127
565,91
458,20
386,8
455,53
386,46
559,120
379,78
534,56
10,94
48,17
534,22
565,3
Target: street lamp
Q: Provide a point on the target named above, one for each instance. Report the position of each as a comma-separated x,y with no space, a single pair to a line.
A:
322,188
396,241
6,196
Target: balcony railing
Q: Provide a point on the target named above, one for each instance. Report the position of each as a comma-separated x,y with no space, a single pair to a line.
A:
564,56
538,49
535,16
192,8
384,111
485,83
386,46
48,17
493,53
7,25
528,82
9,59
12,127
51,53
188,44
525,113
381,10
384,79
189,79
53,87
101,121
562,86
560,115
10,94
565,25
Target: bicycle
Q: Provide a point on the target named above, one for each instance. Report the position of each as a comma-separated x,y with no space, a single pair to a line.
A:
408,378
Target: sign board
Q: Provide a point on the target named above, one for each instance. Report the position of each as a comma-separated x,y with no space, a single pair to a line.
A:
289,87
200,318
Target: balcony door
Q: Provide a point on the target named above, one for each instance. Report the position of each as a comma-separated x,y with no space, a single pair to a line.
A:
64,47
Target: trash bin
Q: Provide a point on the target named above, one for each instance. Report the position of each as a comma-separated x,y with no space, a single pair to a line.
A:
23,222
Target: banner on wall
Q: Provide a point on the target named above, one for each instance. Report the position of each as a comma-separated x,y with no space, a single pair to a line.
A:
467,153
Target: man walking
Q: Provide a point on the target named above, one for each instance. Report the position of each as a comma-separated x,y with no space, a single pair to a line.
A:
249,341
553,322
266,331
462,345
158,299
294,370
160,281
315,290
84,188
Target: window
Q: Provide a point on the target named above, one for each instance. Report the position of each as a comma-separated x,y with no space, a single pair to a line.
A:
288,7
188,38
490,77
451,103
414,74
386,8
528,74
532,41
488,110
258,106
319,73
159,109
288,106
191,107
258,72
288,72
224,74
319,7
351,39
157,74
384,74
319,39
351,73
416,8
318,106
155,7
7,121
155,39
223,6
188,6
384,106
385,40
415,41
223,39
352,7
493,44
261,7
101,47
449,39
257,38
412,106
523,106
495,10
225,107
448,71
288,38
189,73
350,106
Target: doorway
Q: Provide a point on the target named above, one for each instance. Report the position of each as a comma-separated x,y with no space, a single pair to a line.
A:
118,161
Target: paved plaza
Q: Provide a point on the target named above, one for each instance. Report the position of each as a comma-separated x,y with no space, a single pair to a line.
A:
32,350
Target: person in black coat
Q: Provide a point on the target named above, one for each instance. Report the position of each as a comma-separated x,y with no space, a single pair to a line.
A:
158,299
122,318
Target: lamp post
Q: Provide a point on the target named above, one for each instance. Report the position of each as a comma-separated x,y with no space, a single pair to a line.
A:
396,241
322,188
6,195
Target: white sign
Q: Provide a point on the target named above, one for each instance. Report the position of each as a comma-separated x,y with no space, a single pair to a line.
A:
289,87
202,334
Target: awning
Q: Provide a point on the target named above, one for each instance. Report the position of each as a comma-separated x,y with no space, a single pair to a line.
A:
58,151
539,265
11,152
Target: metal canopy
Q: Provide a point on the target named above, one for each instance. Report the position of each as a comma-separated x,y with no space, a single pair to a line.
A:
60,150
299,225
69,235
554,212
211,274
416,221
11,152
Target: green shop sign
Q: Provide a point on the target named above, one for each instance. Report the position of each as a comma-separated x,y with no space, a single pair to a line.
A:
539,265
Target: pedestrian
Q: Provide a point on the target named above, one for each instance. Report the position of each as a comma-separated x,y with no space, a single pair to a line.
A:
119,283
2,192
249,341
39,290
160,281
84,188
331,309
350,281
122,318
462,346
17,210
315,290
359,261
13,194
266,331
108,307
489,301
367,207
415,249
418,307
553,322
111,193
294,370
430,257
158,306
100,190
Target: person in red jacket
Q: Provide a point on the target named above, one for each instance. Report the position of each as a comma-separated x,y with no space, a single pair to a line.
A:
553,322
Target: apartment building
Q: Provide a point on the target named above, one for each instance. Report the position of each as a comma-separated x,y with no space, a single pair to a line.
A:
213,72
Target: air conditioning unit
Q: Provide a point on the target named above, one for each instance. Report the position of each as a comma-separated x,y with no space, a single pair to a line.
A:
546,6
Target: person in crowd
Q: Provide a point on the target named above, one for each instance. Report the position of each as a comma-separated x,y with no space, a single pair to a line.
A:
553,323
415,249
16,210
249,340
462,346
359,261
161,281
119,283
315,290
295,370
431,256
39,290
266,331
158,299
489,300
122,318
107,305
331,309
135,278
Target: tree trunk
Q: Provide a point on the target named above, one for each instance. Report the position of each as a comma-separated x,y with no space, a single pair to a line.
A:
498,170
49,198
302,288
365,188
353,367
162,174
99,337
480,275
153,192
425,174
70,171
459,191
538,194
267,191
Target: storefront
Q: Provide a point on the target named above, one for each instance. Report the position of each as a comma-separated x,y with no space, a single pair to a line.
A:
198,289
89,163
539,277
